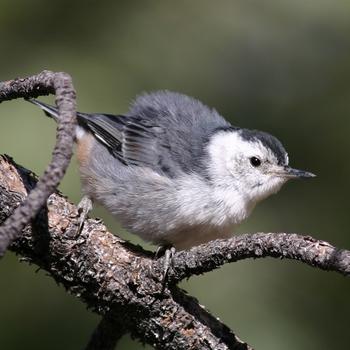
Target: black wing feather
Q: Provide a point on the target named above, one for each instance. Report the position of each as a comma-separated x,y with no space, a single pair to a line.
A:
134,140
105,128
131,139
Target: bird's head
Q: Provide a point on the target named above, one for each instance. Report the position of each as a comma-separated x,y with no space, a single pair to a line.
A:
249,162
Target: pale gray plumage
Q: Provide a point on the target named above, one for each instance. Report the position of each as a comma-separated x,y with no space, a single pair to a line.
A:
174,171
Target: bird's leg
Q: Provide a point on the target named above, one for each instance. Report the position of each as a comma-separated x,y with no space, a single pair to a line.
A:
84,207
161,249
169,255
168,251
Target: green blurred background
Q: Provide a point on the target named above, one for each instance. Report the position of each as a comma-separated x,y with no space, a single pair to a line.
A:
279,66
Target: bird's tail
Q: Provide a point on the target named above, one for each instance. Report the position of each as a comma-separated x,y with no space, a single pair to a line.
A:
50,111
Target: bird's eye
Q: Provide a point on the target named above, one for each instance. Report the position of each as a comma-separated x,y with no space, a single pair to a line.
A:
255,161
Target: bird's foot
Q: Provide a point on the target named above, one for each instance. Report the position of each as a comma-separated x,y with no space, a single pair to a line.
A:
84,207
168,251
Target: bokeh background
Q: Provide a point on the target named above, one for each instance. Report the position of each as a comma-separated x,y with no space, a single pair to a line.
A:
277,65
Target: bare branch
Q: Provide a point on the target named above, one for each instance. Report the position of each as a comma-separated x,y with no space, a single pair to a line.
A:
214,254
42,84
106,334
112,276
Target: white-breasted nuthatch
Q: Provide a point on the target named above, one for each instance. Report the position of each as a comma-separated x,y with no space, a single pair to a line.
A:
175,172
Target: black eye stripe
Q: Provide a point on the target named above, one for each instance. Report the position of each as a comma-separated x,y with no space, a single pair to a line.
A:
255,161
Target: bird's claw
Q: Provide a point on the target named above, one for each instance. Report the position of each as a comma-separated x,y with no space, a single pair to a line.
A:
168,252
84,207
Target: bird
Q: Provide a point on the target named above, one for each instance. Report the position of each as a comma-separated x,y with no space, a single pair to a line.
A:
174,171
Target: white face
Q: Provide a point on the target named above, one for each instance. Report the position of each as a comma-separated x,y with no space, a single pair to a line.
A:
243,166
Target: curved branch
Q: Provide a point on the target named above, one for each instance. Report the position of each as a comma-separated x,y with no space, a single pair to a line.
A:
42,84
214,254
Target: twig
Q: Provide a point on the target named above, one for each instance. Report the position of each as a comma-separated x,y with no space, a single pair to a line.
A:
42,84
214,254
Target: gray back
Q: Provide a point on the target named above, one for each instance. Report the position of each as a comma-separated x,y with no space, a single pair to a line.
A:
186,125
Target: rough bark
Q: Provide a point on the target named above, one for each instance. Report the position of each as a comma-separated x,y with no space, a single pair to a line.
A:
112,277
307,249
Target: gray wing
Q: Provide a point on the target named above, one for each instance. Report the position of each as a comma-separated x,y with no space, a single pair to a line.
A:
164,131
133,140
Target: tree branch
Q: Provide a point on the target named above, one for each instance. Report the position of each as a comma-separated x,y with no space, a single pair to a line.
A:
118,280
42,84
106,334
214,254
113,277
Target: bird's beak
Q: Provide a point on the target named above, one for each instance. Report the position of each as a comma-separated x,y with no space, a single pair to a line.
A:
290,173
